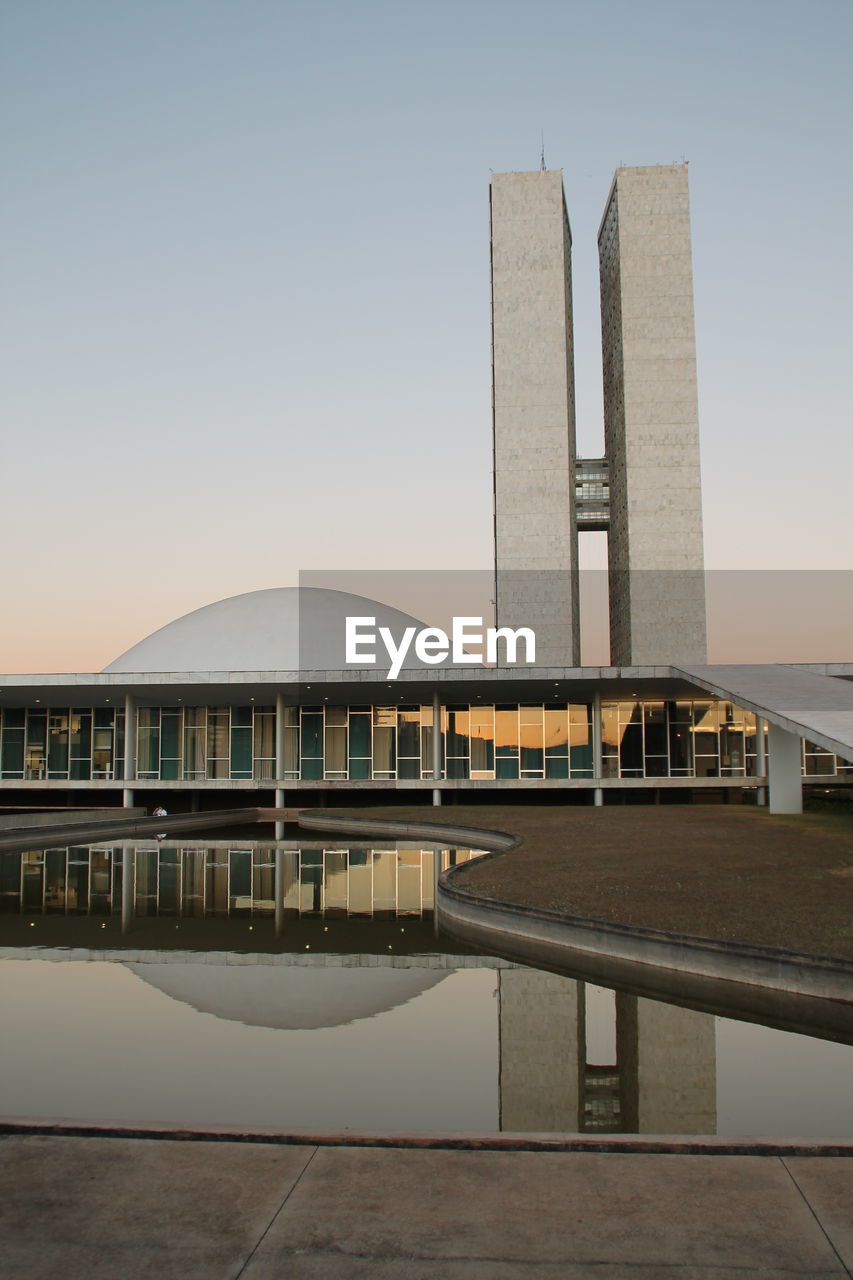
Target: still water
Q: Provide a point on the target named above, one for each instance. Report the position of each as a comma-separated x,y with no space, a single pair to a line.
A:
304,987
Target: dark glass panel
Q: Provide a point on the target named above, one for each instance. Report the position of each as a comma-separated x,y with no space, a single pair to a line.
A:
359,735
705,743
532,758
655,731
457,733
13,752
312,735
631,748
557,767
167,889
409,733
241,752
37,729
680,746
33,881
240,863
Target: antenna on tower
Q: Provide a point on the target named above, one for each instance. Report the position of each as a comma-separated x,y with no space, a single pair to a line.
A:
542,155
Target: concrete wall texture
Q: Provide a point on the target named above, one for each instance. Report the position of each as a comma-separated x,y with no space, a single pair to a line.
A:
657,591
534,413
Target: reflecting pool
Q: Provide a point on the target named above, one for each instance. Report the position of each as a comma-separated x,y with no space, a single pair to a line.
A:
304,987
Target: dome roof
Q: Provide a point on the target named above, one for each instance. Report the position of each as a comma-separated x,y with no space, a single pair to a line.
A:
281,629
288,997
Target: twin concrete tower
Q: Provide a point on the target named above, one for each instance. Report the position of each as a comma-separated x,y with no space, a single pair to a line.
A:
646,491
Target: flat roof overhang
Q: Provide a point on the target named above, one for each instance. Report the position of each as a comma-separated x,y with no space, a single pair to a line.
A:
353,686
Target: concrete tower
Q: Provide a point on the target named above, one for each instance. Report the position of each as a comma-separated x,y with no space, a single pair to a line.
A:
657,587
534,413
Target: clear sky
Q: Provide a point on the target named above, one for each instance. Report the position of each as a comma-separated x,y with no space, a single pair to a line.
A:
245,271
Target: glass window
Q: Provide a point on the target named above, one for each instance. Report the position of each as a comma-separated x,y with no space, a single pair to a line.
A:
654,729
409,732
457,732
631,750
241,751
557,731
506,734
312,735
336,750
57,745
680,746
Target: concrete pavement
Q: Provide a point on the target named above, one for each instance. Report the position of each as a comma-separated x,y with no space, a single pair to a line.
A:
124,1209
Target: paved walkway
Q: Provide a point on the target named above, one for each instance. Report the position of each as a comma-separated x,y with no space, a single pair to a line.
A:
120,1209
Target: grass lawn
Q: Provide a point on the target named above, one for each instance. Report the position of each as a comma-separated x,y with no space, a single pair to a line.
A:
718,872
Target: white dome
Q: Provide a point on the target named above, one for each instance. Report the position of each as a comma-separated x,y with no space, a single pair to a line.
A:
281,629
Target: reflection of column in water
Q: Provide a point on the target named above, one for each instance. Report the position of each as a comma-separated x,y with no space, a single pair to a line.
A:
667,1067
279,892
127,868
437,869
539,1059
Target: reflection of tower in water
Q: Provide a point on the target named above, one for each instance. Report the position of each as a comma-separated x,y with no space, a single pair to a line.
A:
662,1081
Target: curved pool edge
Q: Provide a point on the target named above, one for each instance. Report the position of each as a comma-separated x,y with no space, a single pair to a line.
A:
640,957
435,832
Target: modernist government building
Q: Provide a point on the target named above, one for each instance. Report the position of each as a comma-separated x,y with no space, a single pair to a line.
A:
253,697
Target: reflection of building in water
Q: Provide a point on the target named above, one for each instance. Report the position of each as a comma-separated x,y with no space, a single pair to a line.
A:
540,1062
667,1067
663,1079
220,881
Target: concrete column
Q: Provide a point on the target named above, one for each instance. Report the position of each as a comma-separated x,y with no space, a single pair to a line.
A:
129,750
279,760
598,798
436,747
784,770
760,760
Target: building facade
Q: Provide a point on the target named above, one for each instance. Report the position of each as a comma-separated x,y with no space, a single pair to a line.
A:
254,694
